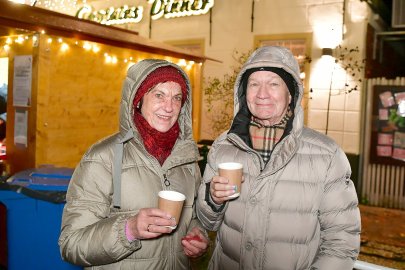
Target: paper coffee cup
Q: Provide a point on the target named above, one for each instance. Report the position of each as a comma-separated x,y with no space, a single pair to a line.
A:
233,171
172,203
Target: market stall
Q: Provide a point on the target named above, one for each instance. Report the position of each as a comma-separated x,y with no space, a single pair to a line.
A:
65,77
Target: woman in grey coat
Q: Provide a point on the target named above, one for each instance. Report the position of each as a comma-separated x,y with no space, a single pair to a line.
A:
111,218
297,208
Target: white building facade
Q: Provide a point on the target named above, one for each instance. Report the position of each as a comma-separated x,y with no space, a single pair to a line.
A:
332,99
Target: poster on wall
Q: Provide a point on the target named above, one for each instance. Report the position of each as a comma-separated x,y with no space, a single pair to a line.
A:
20,128
22,80
388,127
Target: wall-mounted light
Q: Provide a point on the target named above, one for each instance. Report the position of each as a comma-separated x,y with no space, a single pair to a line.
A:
327,52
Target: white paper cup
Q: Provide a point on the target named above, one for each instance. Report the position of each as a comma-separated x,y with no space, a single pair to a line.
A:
172,203
233,171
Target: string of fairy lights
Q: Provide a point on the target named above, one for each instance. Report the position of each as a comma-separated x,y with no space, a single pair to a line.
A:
56,5
66,44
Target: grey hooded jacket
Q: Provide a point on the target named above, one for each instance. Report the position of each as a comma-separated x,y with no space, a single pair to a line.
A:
298,211
116,178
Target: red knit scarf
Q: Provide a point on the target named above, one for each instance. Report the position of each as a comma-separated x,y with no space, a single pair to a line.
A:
158,144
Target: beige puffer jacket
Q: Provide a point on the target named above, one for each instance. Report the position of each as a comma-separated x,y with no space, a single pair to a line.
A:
300,211
116,178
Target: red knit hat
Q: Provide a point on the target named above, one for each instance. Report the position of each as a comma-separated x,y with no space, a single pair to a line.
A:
161,75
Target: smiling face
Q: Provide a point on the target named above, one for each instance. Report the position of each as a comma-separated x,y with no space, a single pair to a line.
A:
161,105
267,97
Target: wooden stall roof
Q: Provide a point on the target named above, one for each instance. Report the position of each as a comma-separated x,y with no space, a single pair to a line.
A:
38,19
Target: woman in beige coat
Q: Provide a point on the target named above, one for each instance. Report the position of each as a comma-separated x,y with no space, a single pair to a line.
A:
111,219
298,207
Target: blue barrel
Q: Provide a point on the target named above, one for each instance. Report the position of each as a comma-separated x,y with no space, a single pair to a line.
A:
34,200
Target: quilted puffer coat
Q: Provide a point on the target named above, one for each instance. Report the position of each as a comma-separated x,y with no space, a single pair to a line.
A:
298,211
116,178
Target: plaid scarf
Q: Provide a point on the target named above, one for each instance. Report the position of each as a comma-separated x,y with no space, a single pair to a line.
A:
264,138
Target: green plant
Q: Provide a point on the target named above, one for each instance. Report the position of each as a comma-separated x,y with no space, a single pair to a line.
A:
350,61
395,119
219,95
364,200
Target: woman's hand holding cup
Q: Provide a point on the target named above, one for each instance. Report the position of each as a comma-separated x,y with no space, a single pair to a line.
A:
149,223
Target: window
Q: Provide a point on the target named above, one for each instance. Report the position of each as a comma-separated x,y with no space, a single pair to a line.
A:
195,46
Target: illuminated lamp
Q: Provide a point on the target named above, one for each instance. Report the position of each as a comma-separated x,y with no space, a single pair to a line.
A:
327,52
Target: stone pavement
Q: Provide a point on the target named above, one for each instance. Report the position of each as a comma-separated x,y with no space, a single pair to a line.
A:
383,236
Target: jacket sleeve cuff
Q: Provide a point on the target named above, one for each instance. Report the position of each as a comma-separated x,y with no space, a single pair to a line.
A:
128,240
128,233
215,207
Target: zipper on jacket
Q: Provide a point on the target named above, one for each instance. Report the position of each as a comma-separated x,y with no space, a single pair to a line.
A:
237,141
171,256
166,182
